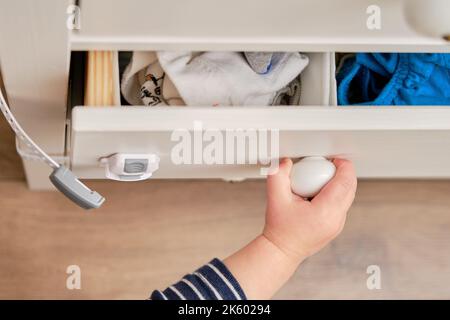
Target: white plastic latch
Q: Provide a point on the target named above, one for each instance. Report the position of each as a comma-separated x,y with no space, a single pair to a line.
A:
129,166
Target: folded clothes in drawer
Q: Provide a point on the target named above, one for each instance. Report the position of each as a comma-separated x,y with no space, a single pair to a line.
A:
226,79
213,78
394,79
203,79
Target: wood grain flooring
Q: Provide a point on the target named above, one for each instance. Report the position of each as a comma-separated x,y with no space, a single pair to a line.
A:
149,234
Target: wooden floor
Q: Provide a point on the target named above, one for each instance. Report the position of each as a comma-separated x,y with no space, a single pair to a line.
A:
149,234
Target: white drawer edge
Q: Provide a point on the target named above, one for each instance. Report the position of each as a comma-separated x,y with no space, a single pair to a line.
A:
80,42
135,119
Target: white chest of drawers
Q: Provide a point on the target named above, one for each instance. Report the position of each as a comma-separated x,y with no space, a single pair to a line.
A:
386,142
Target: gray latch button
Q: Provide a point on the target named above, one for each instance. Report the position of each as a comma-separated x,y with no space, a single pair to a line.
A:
135,166
129,166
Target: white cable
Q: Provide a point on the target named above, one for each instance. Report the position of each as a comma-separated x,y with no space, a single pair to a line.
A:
62,178
21,134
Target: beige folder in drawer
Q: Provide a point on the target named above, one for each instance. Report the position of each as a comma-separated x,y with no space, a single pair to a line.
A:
102,79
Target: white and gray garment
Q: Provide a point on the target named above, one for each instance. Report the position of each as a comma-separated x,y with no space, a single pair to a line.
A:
262,62
208,78
289,95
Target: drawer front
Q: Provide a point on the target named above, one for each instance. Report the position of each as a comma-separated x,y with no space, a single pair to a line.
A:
272,25
382,141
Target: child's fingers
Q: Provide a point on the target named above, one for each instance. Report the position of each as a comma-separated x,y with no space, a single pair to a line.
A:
339,193
279,184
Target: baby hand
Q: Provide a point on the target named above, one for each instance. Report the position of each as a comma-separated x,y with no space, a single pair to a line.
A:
298,227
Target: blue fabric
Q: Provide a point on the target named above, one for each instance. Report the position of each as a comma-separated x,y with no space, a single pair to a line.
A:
207,281
395,79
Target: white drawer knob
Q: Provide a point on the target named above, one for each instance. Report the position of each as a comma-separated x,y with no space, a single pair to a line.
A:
430,17
310,175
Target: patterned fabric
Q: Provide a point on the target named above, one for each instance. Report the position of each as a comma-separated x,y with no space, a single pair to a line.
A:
213,281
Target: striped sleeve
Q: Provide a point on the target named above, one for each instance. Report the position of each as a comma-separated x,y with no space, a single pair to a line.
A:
213,281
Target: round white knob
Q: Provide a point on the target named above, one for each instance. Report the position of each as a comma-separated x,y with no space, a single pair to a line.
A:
429,17
310,175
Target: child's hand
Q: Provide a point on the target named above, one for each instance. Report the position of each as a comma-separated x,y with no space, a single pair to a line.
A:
294,230
300,228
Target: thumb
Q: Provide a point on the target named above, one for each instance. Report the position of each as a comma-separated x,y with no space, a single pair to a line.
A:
279,184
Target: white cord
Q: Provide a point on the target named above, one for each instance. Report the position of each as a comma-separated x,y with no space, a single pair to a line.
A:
22,135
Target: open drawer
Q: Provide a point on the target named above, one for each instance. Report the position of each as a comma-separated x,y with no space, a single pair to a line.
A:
382,141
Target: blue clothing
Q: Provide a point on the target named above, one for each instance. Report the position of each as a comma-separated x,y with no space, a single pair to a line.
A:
213,281
395,79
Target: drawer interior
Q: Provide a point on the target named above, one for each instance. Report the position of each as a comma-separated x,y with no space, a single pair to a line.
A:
317,79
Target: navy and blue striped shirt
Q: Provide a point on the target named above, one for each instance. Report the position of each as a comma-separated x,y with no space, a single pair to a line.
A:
213,281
